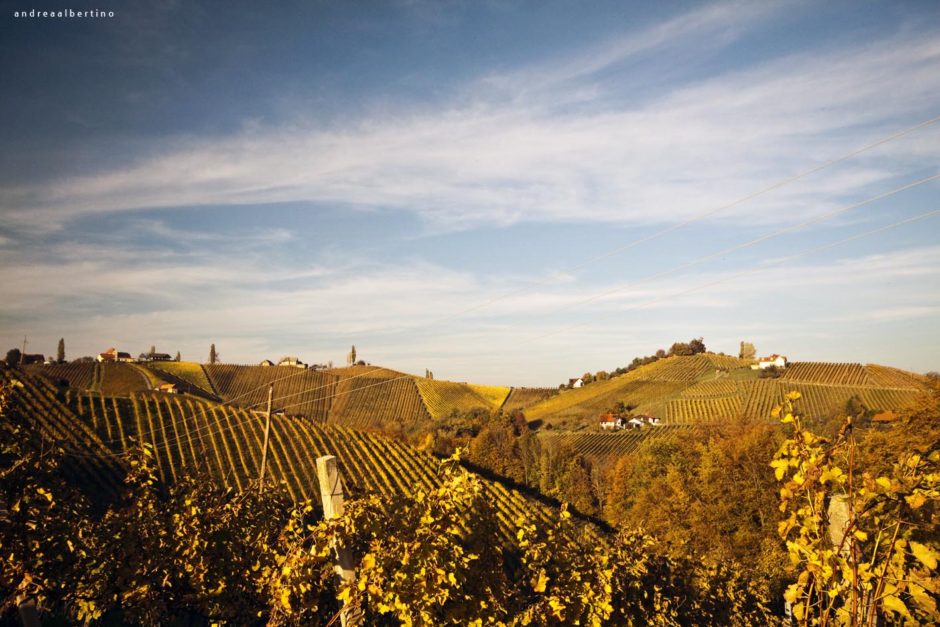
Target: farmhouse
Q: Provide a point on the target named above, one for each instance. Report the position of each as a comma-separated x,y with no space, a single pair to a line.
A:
267,363
638,422
575,383
169,388
112,354
779,361
611,423
291,361
154,357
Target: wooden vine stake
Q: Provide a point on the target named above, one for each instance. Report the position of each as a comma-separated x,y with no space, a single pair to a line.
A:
331,493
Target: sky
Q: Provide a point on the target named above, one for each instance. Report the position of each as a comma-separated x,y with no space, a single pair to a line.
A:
508,193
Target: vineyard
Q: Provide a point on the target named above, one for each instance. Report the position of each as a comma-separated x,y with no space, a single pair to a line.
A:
444,397
119,378
358,371
679,369
189,433
695,411
368,402
188,373
522,398
91,464
678,390
306,392
883,376
602,447
820,400
725,362
827,373
587,403
715,388
75,375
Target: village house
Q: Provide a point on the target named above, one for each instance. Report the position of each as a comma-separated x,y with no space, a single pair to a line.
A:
778,361
638,422
575,383
267,363
609,422
112,354
291,361
168,388
154,357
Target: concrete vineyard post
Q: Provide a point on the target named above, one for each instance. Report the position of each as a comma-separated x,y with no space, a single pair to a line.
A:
331,494
267,435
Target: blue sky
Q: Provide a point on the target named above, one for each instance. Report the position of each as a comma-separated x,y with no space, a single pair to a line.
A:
502,192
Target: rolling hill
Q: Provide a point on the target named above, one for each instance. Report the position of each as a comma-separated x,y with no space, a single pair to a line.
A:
703,389
188,432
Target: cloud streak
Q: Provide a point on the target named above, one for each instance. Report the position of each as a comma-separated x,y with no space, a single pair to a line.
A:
497,161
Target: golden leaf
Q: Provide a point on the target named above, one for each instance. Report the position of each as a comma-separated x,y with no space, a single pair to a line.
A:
924,555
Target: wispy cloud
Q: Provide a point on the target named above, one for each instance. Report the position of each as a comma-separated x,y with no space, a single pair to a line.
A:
499,161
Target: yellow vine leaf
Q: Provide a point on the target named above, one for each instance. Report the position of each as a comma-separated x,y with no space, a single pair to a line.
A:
895,604
924,555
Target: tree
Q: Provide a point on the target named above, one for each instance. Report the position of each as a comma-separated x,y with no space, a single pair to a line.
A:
680,349
13,357
60,352
213,356
153,351
351,358
177,356
747,351
697,346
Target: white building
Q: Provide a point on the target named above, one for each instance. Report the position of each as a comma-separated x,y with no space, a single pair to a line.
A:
779,361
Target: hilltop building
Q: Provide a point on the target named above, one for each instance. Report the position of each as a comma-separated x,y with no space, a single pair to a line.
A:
775,360
154,357
112,354
291,361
